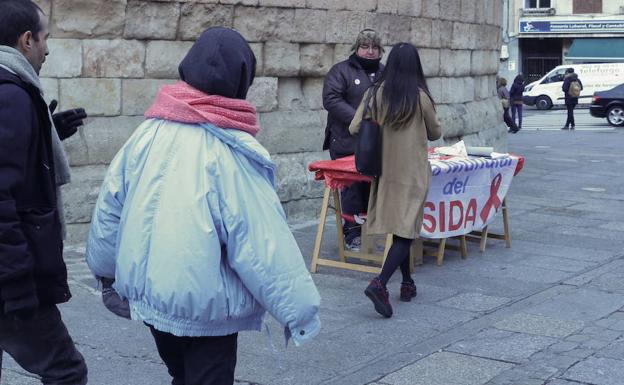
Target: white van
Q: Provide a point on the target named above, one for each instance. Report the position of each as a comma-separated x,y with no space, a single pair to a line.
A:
547,92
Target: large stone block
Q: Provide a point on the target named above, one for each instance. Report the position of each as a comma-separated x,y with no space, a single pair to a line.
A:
344,26
88,18
293,178
342,52
482,114
421,32
469,10
196,18
388,6
431,9
80,196
409,7
97,96
258,50
441,33
291,95
310,26
103,137
450,117
139,94
291,131
463,36
299,210
482,87
151,20
163,57
392,28
232,2
282,3
452,90
313,92
50,89
430,60
451,10
64,60
481,11
478,63
316,59
281,59
263,94
264,24
113,58
454,62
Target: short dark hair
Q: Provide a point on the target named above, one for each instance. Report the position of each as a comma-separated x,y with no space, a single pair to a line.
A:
569,70
17,17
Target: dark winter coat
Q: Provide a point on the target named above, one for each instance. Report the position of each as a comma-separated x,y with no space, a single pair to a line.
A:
515,93
32,270
344,87
569,100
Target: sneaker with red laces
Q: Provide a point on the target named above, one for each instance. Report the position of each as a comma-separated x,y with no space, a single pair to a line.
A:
408,291
378,294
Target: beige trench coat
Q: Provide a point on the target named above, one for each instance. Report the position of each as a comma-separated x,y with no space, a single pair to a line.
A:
398,195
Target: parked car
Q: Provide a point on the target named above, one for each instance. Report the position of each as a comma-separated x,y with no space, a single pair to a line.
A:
609,104
595,77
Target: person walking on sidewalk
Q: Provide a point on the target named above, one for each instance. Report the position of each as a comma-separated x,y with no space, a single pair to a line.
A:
571,88
189,226
405,110
33,165
503,94
515,95
344,86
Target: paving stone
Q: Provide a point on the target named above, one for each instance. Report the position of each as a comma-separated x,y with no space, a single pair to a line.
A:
580,352
561,382
502,345
614,350
446,368
564,346
581,304
534,324
603,371
475,302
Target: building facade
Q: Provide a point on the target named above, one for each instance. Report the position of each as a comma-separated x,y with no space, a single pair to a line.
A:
539,35
110,57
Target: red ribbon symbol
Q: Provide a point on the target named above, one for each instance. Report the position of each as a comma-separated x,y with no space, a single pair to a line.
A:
493,200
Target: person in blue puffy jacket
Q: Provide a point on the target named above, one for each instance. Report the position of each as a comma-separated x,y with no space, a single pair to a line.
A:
188,225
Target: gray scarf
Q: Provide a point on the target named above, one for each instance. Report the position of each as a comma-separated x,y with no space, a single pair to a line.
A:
12,60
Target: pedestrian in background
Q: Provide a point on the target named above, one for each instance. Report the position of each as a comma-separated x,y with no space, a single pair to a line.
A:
515,97
572,87
405,110
33,166
189,226
344,86
503,94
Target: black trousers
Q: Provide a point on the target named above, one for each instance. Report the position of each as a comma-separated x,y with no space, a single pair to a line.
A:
354,200
42,345
570,120
508,121
197,360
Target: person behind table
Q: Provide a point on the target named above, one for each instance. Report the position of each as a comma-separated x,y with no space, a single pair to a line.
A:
515,95
570,101
189,226
503,94
33,166
405,110
344,86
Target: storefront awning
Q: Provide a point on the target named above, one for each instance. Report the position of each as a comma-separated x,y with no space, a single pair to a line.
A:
597,50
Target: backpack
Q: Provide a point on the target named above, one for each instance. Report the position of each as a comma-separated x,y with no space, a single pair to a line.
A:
575,89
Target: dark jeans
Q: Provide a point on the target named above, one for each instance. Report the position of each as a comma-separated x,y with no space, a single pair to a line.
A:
197,360
570,120
398,256
516,109
42,345
510,123
354,200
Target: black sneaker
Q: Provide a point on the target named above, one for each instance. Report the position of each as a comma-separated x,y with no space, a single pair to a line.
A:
565,128
378,294
408,291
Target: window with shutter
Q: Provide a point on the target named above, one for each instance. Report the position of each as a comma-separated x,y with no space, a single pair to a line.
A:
587,6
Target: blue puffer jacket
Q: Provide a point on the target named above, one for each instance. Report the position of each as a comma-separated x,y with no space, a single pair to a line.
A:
190,226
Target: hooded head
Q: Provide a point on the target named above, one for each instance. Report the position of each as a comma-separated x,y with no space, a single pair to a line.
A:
219,63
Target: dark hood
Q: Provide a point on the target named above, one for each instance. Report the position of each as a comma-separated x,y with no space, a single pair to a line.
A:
571,75
219,63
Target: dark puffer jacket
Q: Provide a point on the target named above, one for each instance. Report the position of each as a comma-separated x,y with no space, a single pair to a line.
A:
565,87
344,87
32,270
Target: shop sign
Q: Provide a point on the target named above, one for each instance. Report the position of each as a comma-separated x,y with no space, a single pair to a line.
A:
571,26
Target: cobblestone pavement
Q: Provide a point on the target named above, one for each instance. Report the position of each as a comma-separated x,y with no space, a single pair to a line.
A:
548,310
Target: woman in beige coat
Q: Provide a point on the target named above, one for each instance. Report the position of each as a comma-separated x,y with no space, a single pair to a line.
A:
402,105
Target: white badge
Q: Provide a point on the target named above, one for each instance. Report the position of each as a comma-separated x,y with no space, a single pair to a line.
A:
357,81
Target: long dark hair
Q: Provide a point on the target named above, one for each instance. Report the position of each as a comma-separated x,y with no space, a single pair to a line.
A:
403,78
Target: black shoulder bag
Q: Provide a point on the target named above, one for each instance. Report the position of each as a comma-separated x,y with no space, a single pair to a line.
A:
368,144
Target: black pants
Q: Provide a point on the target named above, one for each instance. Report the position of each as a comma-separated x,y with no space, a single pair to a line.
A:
42,345
354,200
570,119
197,360
398,256
507,118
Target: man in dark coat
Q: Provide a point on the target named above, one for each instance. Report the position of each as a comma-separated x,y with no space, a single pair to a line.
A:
343,89
570,100
33,276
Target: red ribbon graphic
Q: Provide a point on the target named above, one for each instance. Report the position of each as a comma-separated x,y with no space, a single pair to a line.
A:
493,200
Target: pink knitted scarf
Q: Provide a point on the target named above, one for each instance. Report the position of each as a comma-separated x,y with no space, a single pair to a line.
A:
180,102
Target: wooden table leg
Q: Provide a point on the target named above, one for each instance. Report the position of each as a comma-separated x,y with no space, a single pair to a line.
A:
341,241
506,224
463,247
319,232
484,235
440,256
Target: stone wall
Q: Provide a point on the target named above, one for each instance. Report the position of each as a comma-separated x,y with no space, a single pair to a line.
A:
111,57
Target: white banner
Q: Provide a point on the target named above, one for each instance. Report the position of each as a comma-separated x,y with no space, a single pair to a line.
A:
465,194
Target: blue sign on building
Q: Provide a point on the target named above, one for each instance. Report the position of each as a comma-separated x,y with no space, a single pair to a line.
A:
571,26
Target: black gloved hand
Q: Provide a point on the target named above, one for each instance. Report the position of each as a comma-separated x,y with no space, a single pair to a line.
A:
67,122
112,301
